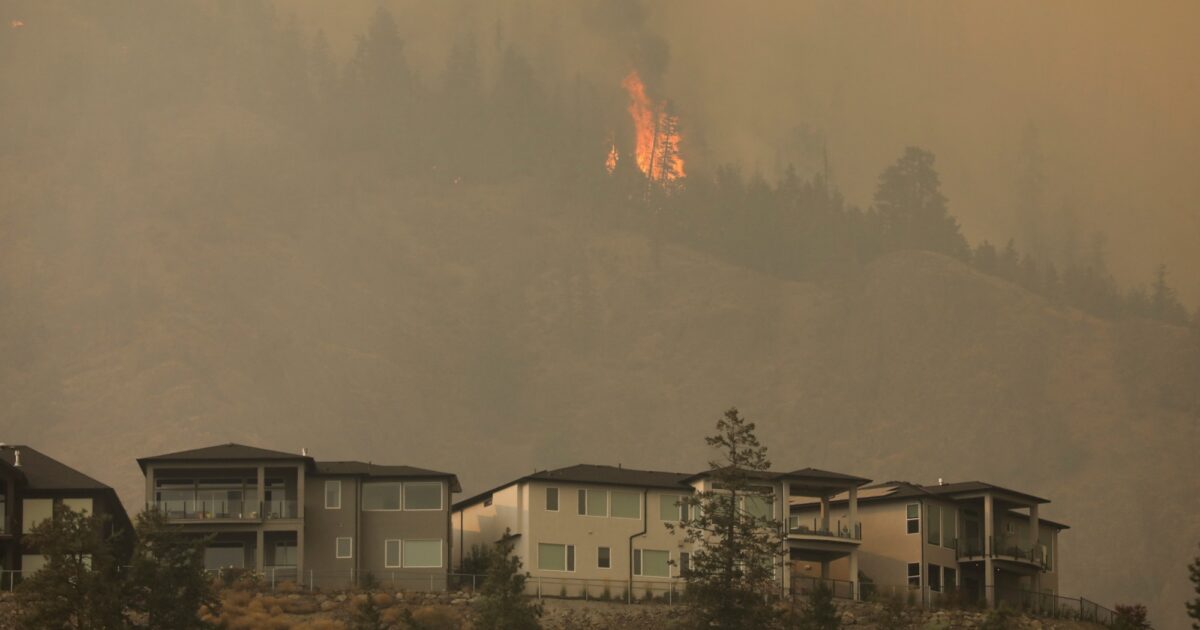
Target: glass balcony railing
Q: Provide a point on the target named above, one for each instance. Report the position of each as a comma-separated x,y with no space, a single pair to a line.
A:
280,508
1001,547
189,509
835,530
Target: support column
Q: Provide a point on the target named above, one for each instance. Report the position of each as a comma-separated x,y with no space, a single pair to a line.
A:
853,512
300,555
149,484
1033,539
854,594
258,550
262,490
989,574
824,513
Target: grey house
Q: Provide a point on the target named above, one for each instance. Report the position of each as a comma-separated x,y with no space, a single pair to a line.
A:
291,517
32,484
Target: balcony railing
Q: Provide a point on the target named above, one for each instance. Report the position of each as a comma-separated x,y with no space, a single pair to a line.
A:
1001,547
838,530
280,509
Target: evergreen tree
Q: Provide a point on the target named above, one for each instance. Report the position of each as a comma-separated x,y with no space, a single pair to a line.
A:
167,581
1193,606
1164,305
503,604
738,550
912,209
818,613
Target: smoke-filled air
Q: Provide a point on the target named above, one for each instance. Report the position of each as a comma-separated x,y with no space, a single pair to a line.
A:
910,240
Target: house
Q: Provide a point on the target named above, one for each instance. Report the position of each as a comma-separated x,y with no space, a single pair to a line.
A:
289,516
977,540
587,529
32,484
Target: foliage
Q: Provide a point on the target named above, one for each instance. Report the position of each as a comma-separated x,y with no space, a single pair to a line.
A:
999,618
738,553
1131,617
1193,606
80,586
167,582
891,614
818,612
502,603
366,615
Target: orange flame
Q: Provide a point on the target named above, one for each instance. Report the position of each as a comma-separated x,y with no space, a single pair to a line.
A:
16,24
657,148
610,163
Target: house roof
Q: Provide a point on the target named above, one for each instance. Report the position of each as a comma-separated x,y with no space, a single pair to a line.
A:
817,473
220,452
367,469
968,487
42,472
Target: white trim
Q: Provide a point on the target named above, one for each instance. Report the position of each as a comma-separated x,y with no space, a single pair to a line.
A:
557,499
566,557
339,494
441,553
399,490
399,553
441,496
607,503
337,543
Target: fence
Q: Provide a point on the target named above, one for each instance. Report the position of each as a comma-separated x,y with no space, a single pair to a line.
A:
1050,605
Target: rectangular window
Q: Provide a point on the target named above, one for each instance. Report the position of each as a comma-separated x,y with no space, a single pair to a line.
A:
949,528
423,554
551,499
34,511
626,505
423,496
3,514
344,547
391,554
381,496
672,508
333,495
224,556
935,578
760,507
950,580
593,502
685,563
651,563
285,554
32,563
934,529
914,518
554,557
604,558
78,505
914,575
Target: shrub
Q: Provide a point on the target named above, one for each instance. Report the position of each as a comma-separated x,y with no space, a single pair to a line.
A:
1000,618
1131,617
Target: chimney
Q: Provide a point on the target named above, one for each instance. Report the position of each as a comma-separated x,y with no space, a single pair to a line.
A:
940,483
304,452
16,458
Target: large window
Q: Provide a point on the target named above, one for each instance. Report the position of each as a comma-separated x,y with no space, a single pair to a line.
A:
760,507
344,547
914,518
285,554
651,563
914,575
423,496
381,495
34,511
391,553
626,504
333,495
554,557
224,556
934,529
604,558
672,508
593,502
685,563
552,499
935,578
949,528
78,505
951,580
422,554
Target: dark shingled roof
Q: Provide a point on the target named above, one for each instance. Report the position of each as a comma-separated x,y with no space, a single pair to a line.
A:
377,470
979,486
816,473
596,474
42,472
222,452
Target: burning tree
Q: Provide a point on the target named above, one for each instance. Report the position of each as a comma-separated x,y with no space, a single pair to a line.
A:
656,129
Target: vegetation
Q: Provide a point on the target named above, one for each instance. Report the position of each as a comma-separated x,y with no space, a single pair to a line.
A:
818,611
503,604
1131,617
167,581
1193,606
732,573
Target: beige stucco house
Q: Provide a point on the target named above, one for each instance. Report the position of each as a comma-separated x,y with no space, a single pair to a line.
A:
291,517
973,539
587,529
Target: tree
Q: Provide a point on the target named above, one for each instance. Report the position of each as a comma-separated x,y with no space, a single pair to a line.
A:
819,612
1164,305
502,603
913,210
80,586
738,548
1193,607
1131,617
167,582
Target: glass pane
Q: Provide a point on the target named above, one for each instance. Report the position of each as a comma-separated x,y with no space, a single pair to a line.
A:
913,510
934,528
34,511
949,527
78,505
759,507
422,496
570,557
381,496
344,547
626,505
391,553
224,557
552,499
333,494
552,557
597,503
422,553
583,501
602,558
668,510
656,563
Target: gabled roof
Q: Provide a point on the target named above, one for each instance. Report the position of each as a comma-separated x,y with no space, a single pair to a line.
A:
817,473
594,474
42,472
969,487
802,474
221,452
898,490
367,469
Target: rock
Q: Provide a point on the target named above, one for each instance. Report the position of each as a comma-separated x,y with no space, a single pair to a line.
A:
848,619
328,605
458,601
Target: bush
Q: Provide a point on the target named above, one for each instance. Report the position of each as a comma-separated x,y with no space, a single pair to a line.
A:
1131,617
1000,618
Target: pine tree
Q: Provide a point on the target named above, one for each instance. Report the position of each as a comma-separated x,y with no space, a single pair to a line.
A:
503,604
1193,606
167,582
738,551
913,210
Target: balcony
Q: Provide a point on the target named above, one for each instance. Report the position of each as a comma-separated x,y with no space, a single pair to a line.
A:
225,510
838,532
1001,548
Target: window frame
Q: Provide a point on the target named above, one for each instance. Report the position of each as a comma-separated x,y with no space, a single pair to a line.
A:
612,502
585,503
912,577
337,550
557,504
338,484
606,557
404,496
909,519
568,557
399,496
639,563
399,553
441,553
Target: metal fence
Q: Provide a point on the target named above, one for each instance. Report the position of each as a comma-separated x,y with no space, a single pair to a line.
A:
1051,605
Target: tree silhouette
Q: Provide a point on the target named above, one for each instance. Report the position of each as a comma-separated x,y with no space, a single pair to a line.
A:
912,208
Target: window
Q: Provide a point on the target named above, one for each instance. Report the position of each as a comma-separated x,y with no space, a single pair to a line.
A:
685,563
423,496
593,502
934,530
914,575
224,556
760,507
935,578
604,558
671,507
3,514
32,563
626,505
914,518
551,499
794,521
333,495
1048,552
391,553
344,547
950,580
553,557
285,554
34,511
381,496
423,554
651,563
949,528
78,505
